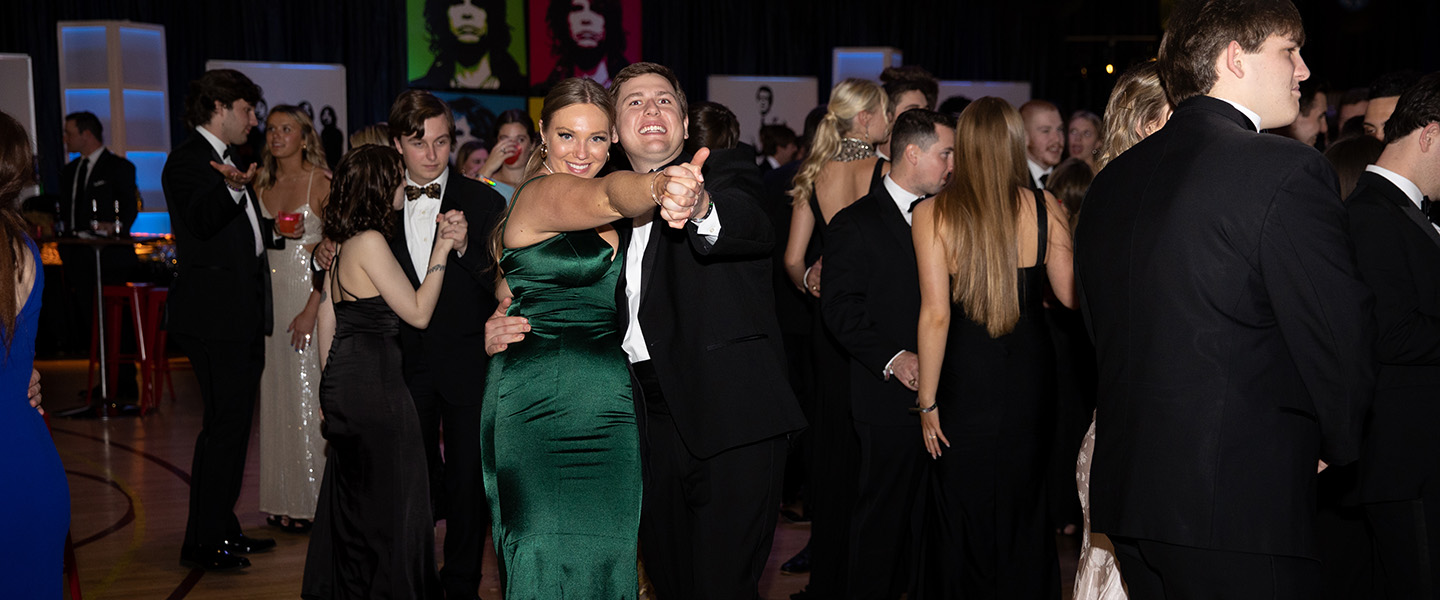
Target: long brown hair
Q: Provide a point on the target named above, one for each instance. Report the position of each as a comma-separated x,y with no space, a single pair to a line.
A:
17,171
311,150
363,191
849,98
975,214
568,92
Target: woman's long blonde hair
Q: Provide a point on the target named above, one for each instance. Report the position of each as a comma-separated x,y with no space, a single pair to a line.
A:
311,150
975,214
849,98
1136,101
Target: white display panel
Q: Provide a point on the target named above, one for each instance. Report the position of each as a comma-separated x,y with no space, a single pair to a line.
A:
17,99
789,100
318,86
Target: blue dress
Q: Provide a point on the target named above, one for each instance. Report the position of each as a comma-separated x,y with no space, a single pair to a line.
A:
34,496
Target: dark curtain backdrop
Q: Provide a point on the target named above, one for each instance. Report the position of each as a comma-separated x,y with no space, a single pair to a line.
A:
1046,42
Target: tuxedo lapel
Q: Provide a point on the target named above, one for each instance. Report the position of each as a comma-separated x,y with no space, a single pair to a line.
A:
893,221
1402,202
647,262
402,252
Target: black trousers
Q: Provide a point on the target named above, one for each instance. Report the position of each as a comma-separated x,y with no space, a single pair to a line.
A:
884,527
229,376
456,486
1407,546
706,525
1158,570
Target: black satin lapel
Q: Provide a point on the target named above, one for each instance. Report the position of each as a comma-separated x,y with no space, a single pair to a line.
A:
647,262
402,253
1402,202
1413,212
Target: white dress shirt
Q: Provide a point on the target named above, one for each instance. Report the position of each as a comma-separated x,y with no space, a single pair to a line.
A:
1411,190
634,340
240,196
419,217
1036,171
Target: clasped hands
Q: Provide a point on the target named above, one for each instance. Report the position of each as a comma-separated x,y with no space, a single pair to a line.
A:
681,193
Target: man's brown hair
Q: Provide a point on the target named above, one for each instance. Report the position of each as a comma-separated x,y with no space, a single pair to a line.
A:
648,68
1201,29
410,111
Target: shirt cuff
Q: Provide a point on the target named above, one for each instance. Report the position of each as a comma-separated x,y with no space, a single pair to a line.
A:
888,370
710,225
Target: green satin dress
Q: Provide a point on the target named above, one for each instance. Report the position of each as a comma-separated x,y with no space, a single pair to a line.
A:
559,445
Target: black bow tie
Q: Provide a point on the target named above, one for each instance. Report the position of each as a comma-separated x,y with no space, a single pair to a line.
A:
226,154
916,203
1431,208
413,192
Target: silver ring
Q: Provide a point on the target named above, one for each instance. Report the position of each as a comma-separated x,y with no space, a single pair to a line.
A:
931,436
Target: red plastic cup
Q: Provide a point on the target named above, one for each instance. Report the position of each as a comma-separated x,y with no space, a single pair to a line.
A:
287,222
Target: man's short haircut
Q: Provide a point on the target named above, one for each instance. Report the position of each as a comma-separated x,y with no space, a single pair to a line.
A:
87,121
221,85
909,78
917,126
1037,104
713,126
1354,96
634,70
1391,85
410,111
774,137
1417,107
1200,30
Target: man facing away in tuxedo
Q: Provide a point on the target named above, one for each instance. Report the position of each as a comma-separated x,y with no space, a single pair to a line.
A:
444,365
1397,244
706,355
219,310
870,299
1233,334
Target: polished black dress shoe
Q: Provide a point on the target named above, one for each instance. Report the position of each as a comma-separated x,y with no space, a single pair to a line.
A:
244,544
211,558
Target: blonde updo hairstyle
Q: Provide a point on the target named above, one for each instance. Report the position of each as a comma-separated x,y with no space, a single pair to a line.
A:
849,98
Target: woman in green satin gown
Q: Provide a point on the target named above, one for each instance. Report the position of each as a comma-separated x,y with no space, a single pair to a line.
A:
559,446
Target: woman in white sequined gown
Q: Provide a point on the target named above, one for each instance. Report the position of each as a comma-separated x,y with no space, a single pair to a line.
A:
292,179
1137,108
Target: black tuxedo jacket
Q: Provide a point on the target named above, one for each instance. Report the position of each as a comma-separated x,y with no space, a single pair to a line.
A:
452,350
709,317
1399,256
1232,331
221,288
870,298
111,178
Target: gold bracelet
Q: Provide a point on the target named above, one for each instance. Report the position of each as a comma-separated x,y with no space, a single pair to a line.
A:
655,195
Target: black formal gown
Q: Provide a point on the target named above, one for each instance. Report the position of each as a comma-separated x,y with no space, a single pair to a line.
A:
988,533
373,537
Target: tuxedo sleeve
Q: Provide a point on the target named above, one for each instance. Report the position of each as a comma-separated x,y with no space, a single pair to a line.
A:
1321,306
482,214
734,186
197,195
843,296
127,192
1408,331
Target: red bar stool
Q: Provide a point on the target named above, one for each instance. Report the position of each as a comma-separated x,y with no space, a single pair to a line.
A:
158,376
116,298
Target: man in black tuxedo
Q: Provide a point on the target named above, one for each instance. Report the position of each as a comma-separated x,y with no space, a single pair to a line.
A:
1232,330
444,364
870,299
1397,245
707,358
108,180
219,307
